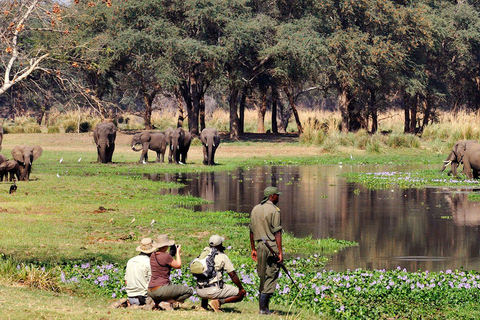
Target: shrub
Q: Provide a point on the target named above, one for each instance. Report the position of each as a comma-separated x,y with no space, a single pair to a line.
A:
70,126
361,139
374,145
85,126
403,141
53,129
331,143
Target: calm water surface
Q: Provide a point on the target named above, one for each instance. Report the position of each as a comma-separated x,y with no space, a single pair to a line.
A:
429,229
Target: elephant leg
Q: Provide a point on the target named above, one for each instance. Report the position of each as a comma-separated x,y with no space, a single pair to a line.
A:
475,174
467,169
158,156
205,155
213,156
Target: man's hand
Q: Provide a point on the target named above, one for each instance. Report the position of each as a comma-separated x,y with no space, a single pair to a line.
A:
254,255
242,293
280,257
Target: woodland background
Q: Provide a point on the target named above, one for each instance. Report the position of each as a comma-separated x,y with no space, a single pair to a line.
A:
361,58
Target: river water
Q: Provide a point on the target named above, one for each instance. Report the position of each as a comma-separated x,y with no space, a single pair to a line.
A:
418,229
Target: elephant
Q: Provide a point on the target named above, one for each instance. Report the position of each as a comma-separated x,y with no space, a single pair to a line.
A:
179,146
25,155
104,136
168,136
2,158
154,141
9,167
210,141
456,155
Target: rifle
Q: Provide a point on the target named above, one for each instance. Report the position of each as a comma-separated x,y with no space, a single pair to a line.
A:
280,263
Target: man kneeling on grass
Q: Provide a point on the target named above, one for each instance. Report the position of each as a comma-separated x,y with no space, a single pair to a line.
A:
213,288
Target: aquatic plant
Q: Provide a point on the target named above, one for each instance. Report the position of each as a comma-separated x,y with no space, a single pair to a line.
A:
404,180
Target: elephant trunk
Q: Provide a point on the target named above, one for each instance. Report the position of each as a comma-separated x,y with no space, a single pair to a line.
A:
102,153
134,147
210,147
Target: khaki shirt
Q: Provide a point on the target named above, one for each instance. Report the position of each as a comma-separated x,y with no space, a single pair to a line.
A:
138,275
222,263
265,221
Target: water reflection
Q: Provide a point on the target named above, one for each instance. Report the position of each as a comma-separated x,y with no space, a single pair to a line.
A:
429,229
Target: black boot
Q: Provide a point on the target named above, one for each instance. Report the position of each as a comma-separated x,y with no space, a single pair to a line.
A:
263,302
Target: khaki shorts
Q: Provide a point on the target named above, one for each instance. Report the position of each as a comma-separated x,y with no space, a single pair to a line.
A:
216,293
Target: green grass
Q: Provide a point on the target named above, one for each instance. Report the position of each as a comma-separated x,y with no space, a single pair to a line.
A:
76,212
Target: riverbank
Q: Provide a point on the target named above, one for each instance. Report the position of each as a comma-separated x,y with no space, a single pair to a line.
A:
75,211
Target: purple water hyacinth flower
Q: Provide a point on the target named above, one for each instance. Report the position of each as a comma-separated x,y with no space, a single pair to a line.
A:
43,269
114,295
341,309
18,267
109,266
85,265
62,277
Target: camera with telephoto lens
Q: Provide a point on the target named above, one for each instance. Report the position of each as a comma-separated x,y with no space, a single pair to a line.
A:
173,250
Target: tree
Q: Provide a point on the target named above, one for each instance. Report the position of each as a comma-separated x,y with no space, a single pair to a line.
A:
20,22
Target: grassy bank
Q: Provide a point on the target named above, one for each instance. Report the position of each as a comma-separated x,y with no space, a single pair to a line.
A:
76,212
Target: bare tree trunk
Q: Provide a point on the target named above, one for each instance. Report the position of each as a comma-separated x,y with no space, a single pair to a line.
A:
294,109
261,110
147,115
241,122
274,109
373,111
343,106
202,113
232,101
181,111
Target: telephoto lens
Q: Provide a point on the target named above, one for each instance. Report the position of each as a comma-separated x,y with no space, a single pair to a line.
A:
173,250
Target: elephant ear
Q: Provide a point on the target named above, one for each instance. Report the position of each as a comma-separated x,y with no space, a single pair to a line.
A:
17,153
145,136
202,137
37,152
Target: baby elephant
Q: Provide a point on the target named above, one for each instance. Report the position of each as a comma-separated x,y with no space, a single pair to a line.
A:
9,167
154,141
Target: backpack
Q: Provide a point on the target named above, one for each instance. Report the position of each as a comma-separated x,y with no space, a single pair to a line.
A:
203,267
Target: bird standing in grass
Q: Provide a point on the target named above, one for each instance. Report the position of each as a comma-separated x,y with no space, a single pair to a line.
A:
13,187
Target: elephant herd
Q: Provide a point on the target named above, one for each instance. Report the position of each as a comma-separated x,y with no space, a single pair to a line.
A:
177,140
21,165
468,153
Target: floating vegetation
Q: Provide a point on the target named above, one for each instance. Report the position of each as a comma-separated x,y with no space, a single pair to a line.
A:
405,180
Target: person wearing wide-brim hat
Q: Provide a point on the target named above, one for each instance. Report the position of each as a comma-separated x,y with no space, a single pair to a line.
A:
160,289
265,223
138,273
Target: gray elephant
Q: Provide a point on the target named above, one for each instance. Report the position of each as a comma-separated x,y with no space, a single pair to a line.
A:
104,136
210,141
181,140
154,141
456,155
2,158
9,167
168,136
24,156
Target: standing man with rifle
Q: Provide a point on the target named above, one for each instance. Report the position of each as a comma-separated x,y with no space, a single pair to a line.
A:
265,227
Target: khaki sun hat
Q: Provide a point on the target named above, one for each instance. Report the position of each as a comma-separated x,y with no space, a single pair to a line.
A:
146,246
215,240
162,241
